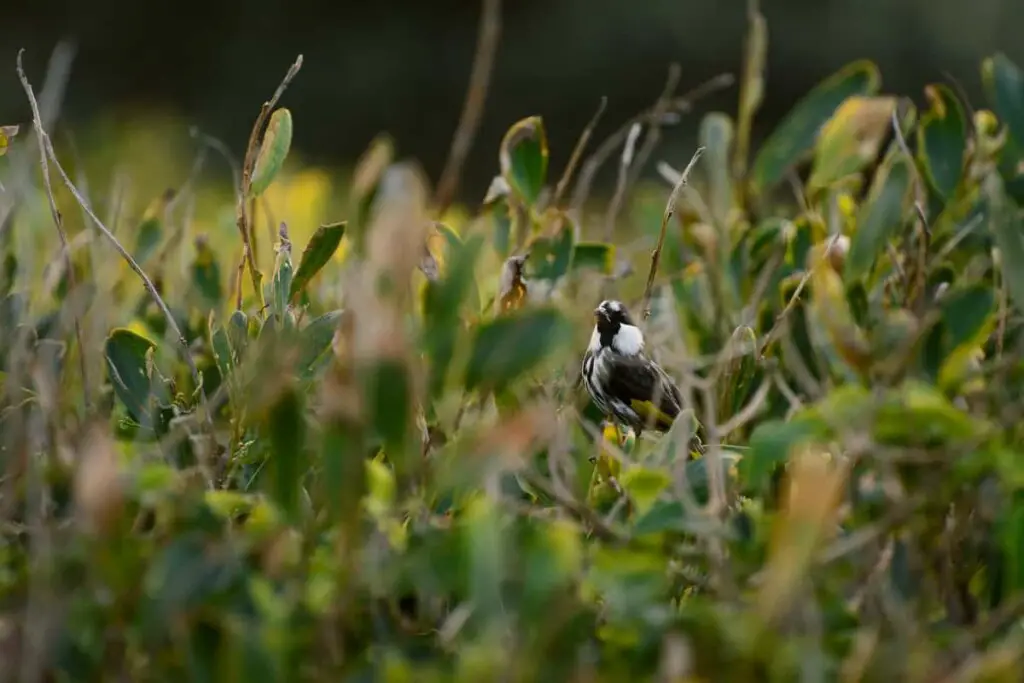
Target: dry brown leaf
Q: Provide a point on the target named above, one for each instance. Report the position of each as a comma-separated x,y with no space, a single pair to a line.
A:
512,289
99,495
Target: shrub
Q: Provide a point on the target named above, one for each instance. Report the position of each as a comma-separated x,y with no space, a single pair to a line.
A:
372,458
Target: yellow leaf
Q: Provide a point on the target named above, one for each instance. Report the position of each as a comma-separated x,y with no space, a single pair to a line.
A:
833,311
814,491
7,133
850,139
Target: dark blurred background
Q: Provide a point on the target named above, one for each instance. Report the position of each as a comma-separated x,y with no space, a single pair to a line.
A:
402,66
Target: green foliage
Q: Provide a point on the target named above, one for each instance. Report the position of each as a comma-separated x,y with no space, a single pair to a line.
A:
389,471
318,252
277,140
524,159
796,134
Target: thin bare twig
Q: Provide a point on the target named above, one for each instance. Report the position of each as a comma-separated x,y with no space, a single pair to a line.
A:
670,209
58,221
658,115
51,97
577,151
220,148
473,108
132,263
626,160
630,171
677,105
243,216
597,524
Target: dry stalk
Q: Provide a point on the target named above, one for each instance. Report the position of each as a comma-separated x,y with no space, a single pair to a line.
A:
659,114
244,217
58,221
473,107
677,105
670,209
625,161
577,151
47,145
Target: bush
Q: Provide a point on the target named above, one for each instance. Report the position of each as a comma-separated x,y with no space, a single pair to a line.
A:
367,455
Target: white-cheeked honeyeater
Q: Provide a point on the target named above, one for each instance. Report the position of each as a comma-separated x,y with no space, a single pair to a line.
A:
625,384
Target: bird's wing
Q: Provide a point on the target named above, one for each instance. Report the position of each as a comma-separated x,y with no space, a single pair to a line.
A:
644,386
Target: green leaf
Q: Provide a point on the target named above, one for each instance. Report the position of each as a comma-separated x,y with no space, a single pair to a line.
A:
917,414
150,234
697,473
222,355
968,316
850,139
283,274
484,544
554,556
550,257
125,352
315,340
879,217
287,464
1009,236
238,333
277,140
738,375
663,516
771,444
452,238
675,444
594,255
387,391
501,219
512,345
524,158
344,470
1004,84
443,306
716,136
183,575
364,189
796,134
965,313
229,504
317,254
942,140
644,485
206,276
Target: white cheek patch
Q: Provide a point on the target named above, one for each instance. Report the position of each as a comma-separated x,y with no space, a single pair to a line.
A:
629,341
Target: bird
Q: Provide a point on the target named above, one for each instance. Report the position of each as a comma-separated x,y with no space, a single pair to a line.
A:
625,384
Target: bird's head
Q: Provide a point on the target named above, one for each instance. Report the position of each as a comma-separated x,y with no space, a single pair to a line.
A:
614,327
610,315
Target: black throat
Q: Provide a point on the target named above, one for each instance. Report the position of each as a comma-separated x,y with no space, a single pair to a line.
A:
607,329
